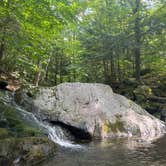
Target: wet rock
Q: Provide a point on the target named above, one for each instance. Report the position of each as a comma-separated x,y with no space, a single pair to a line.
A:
96,110
25,151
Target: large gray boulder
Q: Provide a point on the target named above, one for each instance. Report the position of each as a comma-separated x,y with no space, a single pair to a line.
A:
93,110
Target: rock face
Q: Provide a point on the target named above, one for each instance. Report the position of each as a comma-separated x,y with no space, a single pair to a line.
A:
94,111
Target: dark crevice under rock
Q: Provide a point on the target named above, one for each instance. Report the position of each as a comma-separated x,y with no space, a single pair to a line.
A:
3,85
78,133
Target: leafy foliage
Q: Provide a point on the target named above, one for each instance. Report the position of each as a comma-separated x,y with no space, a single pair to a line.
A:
48,42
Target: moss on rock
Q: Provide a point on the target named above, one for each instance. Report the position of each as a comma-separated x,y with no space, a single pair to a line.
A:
118,126
142,92
20,142
25,151
16,126
4,133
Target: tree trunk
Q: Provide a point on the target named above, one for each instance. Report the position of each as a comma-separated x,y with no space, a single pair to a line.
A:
60,69
2,46
74,75
55,78
137,64
37,75
119,68
105,67
37,78
137,50
47,69
112,63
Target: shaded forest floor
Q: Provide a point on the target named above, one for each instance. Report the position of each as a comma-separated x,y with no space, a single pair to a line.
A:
150,93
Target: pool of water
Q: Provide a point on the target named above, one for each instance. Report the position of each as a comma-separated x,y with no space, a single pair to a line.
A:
112,153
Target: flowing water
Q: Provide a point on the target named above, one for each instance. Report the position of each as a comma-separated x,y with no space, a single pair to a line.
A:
55,133
118,152
115,153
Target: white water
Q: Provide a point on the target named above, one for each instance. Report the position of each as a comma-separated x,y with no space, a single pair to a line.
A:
55,133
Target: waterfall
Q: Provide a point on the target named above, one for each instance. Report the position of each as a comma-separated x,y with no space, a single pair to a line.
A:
55,133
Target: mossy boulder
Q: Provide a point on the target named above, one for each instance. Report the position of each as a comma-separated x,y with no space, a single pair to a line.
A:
21,142
11,121
143,92
4,133
25,151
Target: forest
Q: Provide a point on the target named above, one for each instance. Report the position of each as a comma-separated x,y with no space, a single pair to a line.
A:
82,82
47,42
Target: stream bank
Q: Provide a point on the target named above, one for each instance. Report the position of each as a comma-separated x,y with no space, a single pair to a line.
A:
21,142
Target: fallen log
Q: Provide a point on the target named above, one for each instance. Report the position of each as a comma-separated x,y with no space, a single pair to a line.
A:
157,99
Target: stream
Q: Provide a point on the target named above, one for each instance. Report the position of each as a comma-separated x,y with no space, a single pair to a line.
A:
115,153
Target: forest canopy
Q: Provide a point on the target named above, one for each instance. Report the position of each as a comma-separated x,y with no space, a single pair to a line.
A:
47,42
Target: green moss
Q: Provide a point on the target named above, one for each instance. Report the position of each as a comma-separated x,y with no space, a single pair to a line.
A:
117,126
114,127
33,91
37,153
106,127
17,127
4,133
143,91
